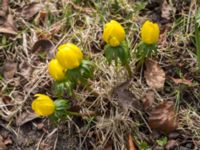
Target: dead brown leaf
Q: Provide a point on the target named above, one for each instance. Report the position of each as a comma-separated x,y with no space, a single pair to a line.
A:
125,97
182,81
8,141
41,17
5,5
40,126
46,146
2,144
25,70
25,117
9,70
154,74
2,17
56,27
148,99
163,118
7,24
6,99
171,145
108,145
31,10
44,45
166,10
130,143
163,38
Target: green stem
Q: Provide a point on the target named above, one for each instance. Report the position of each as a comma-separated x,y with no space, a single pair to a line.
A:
128,68
79,114
74,113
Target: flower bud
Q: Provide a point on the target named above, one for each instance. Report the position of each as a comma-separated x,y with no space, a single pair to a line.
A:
150,32
113,33
56,70
69,56
43,105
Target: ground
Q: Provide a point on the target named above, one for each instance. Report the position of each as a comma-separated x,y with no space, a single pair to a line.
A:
119,110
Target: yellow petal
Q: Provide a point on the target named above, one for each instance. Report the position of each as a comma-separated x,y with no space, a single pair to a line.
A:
56,70
150,32
69,56
114,42
43,105
76,49
107,32
156,32
113,33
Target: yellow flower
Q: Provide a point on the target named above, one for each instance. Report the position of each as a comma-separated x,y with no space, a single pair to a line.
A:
150,32
113,33
69,56
56,70
43,105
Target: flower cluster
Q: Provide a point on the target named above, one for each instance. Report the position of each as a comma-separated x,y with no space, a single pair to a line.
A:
69,56
69,67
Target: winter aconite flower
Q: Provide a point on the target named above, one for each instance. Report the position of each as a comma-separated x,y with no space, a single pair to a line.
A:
113,33
56,70
150,32
43,105
69,56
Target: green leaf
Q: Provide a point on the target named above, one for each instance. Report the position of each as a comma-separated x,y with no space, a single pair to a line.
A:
120,52
1,77
146,50
123,53
61,104
162,142
143,146
115,6
86,68
61,111
59,88
139,6
69,87
79,74
109,53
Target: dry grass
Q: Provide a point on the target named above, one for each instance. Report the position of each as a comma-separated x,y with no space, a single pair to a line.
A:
81,23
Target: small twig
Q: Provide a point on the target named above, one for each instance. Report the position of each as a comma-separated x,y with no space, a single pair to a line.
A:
145,121
38,144
50,134
55,143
